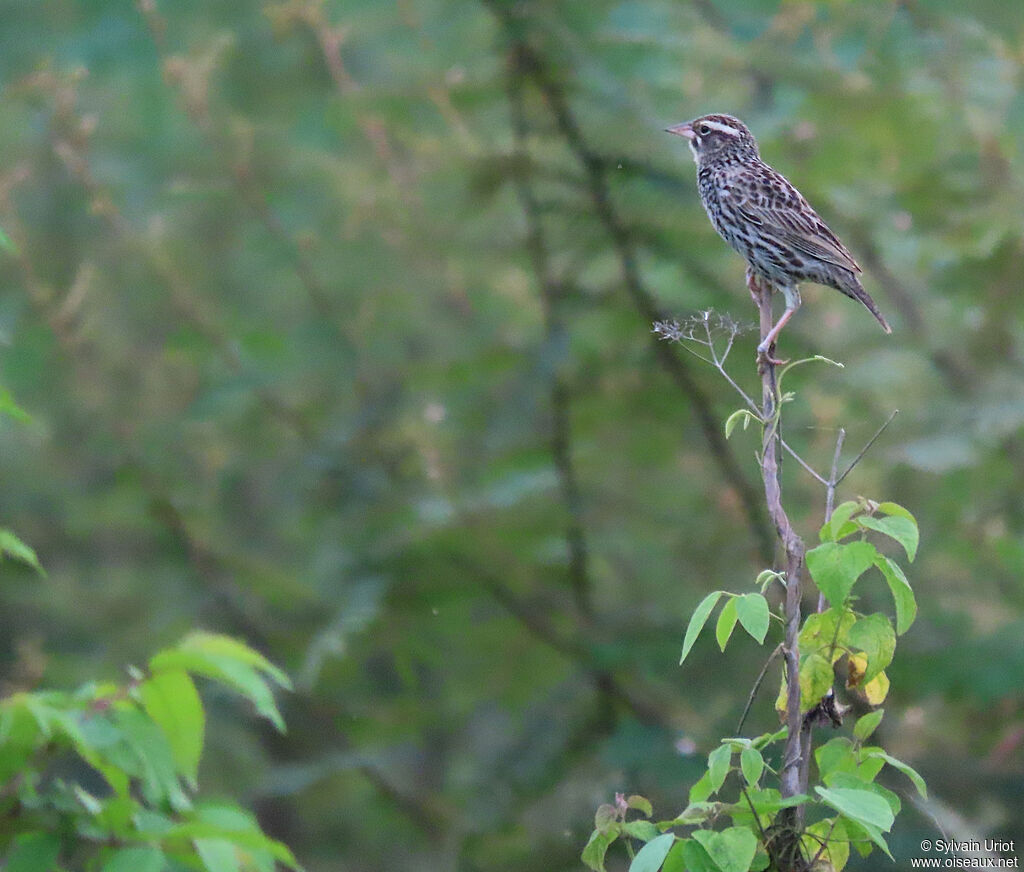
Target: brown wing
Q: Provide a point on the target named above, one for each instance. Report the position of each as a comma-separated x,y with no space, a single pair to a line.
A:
768,200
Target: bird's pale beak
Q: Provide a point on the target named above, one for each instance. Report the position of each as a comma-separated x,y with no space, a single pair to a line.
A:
683,129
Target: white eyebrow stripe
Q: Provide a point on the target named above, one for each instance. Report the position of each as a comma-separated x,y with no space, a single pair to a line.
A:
721,128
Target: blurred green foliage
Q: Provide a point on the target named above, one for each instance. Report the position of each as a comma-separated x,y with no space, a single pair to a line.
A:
332,322
105,778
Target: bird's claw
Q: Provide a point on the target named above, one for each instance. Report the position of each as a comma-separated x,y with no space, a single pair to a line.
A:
764,356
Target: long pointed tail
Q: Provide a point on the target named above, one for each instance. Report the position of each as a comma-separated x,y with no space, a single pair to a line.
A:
853,289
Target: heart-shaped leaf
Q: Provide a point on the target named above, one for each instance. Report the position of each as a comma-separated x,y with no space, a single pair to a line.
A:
835,568
895,527
731,849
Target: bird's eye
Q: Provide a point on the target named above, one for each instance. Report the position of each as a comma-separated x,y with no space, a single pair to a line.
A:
703,130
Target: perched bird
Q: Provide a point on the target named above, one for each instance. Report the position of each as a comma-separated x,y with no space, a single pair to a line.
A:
760,214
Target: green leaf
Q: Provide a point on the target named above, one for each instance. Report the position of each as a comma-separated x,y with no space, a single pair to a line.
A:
606,818
696,813
744,415
752,765
868,767
836,755
118,814
820,633
218,855
902,595
137,859
33,852
854,830
229,823
14,548
837,850
170,698
719,762
731,850
230,662
154,760
597,847
897,510
875,637
906,769
675,861
701,789
842,779
895,527
835,568
726,622
226,649
767,576
766,802
695,858
6,244
862,806
697,621
766,739
816,678
761,860
752,610
650,857
12,409
641,804
769,802
867,724
640,829
830,532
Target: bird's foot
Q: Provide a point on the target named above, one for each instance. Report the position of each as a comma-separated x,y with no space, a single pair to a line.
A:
765,356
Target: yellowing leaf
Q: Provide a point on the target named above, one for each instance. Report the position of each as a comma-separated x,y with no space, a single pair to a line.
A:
815,680
857,665
877,689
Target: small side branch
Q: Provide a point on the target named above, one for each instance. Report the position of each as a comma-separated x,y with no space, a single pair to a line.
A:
756,688
867,447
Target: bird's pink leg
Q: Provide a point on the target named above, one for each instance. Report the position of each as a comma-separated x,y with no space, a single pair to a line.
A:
773,334
792,295
761,294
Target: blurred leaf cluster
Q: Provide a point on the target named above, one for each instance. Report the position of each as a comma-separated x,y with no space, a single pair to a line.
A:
332,324
104,778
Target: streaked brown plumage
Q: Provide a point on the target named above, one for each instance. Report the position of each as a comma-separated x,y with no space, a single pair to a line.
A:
761,215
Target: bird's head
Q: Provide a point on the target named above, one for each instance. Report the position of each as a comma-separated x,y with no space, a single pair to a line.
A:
717,138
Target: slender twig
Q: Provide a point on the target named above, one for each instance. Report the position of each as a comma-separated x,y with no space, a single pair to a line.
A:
757,687
867,447
807,467
753,811
717,360
830,485
746,398
824,842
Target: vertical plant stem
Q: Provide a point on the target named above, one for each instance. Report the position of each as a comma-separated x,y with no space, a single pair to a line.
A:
793,546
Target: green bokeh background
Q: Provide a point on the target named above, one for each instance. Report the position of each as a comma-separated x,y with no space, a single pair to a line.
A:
302,368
